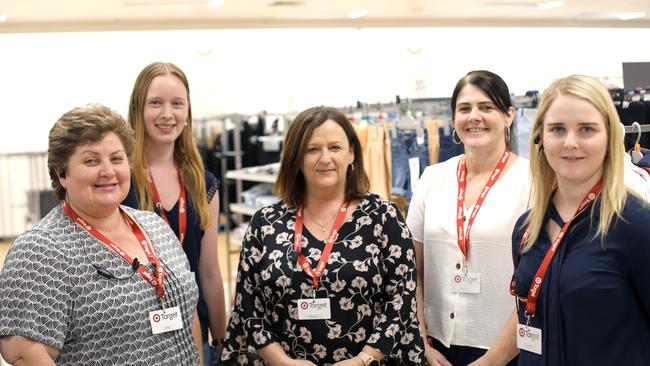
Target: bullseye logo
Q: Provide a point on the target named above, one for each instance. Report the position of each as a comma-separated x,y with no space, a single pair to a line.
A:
156,318
457,279
304,305
592,196
522,332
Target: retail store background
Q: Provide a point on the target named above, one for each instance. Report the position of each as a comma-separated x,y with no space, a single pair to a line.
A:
285,70
58,55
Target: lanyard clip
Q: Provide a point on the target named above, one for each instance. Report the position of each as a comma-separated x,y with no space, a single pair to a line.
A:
528,318
162,304
465,267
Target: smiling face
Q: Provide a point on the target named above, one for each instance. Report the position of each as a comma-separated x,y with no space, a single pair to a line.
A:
327,158
575,141
478,121
97,176
166,109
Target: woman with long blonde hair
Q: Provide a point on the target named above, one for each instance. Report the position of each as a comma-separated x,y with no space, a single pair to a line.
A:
170,179
581,253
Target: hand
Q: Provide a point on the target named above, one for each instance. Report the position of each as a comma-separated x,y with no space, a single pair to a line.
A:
435,358
354,361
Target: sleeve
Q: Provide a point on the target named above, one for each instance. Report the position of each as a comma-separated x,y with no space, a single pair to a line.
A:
211,185
397,333
415,216
249,328
35,290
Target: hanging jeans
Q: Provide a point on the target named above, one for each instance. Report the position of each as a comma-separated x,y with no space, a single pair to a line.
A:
404,146
448,149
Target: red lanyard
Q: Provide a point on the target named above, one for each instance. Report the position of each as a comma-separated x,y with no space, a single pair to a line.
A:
156,281
536,284
182,212
297,246
463,236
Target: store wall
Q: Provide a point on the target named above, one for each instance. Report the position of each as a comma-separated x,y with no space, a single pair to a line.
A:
44,75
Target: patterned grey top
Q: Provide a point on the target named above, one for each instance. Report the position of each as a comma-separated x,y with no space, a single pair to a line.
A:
370,279
51,291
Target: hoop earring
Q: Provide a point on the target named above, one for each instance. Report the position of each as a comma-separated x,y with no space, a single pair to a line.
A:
351,168
454,137
508,134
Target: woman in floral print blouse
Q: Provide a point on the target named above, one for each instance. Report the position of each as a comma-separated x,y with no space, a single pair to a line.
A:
327,275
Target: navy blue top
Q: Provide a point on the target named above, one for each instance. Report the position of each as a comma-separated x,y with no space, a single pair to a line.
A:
594,305
193,236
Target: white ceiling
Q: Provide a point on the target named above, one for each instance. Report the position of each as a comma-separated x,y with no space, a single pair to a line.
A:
83,15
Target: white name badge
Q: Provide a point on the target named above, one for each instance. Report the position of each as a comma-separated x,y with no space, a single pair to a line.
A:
166,320
529,339
468,284
311,309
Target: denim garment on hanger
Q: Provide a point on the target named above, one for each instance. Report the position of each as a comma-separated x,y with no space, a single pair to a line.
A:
448,149
404,145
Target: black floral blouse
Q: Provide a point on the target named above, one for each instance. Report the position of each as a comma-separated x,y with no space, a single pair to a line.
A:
370,279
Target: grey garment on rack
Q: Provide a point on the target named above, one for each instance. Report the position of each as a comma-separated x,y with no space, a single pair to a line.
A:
523,126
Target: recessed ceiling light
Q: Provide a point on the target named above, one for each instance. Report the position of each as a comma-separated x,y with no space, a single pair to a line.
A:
4,17
549,5
359,13
213,4
631,15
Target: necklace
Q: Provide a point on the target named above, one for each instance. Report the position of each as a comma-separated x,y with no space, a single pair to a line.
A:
322,227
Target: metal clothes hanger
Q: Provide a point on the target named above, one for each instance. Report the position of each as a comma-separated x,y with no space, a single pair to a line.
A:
636,152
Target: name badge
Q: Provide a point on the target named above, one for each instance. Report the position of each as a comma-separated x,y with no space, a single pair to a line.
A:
310,309
166,320
529,339
468,284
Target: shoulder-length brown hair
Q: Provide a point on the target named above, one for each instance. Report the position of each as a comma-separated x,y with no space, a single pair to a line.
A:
186,154
290,185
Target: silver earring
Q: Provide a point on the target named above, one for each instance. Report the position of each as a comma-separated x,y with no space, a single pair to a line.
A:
507,133
185,123
455,138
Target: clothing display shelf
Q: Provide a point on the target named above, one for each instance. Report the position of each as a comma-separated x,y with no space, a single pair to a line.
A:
233,121
262,174
238,175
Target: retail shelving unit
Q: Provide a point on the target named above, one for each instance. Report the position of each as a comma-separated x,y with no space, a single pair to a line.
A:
251,174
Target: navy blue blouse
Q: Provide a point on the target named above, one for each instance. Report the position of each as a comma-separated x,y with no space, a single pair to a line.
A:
594,305
193,236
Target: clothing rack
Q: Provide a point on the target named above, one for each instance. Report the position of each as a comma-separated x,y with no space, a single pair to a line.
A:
620,96
528,100
640,129
437,106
